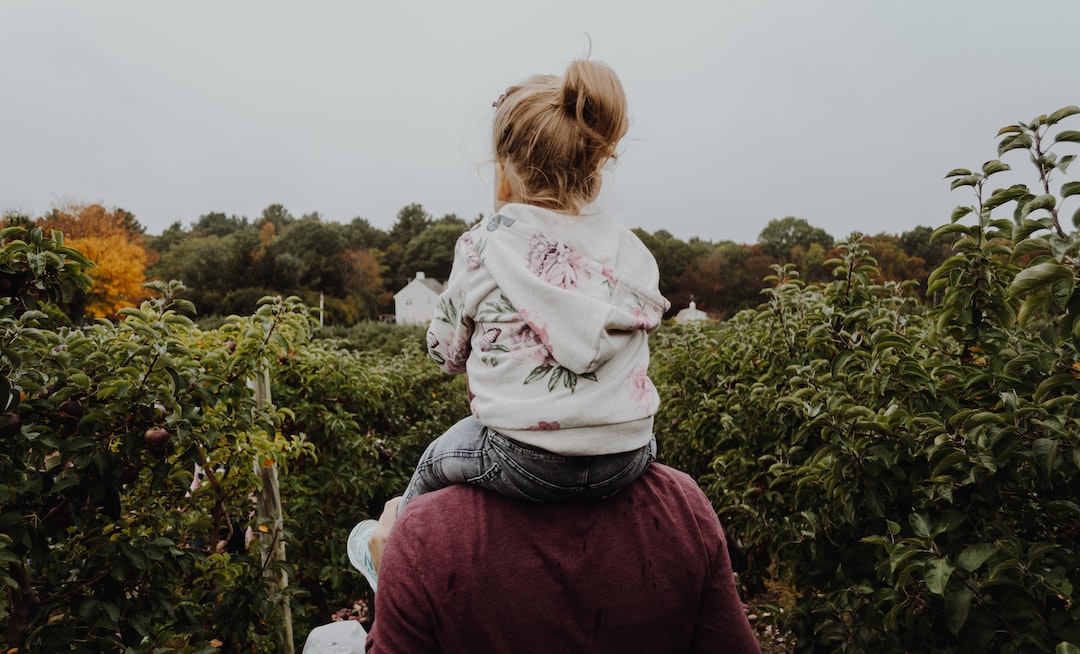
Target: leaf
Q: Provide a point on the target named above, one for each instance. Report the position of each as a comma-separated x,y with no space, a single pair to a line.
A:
948,462
1071,136
1010,129
1029,246
957,605
966,180
1070,188
1038,276
994,166
960,212
538,373
955,172
1002,195
1015,142
1044,201
937,575
1064,112
921,524
954,228
973,557
1052,383
1045,450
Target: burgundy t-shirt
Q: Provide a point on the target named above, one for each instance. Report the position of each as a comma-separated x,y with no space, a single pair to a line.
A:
470,571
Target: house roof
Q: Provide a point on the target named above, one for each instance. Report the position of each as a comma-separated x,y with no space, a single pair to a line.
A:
423,281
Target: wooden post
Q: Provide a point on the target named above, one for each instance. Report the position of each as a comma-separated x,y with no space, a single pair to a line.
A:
268,508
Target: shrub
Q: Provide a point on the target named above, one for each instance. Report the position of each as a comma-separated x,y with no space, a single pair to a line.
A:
913,477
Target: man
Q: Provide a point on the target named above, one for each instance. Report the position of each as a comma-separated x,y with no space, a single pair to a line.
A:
470,571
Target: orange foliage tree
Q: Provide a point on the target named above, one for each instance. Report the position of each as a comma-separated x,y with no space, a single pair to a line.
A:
115,242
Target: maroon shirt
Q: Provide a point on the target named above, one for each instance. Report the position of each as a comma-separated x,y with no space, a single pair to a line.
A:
470,571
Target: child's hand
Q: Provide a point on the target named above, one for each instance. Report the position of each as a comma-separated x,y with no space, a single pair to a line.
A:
377,542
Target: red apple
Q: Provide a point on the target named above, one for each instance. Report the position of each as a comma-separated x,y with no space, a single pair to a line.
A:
156,438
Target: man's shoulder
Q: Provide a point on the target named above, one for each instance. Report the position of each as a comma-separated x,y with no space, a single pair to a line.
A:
659,482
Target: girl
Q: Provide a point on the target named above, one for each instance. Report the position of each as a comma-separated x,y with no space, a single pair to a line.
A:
547,311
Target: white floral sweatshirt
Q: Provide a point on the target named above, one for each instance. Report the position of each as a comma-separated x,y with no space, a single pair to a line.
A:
549,315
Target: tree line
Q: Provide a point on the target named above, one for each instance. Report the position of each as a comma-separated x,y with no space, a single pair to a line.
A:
229,262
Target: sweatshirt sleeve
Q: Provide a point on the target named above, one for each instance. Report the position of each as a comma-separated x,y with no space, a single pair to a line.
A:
402,611
722,625
450,333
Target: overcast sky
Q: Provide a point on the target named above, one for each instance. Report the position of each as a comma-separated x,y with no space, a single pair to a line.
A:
846,113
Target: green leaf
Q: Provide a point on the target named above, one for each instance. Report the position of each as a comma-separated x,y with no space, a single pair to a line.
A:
994,166
1002,195
1045,450
1038,276
966,180
1045,201
954,228
1066,648
1030,245
948,462
1064,112
955,172
921,524
1070,188
1071,136
538,373
973,557
1016,142
960,212
937,575
1052,383
1010,129
957,606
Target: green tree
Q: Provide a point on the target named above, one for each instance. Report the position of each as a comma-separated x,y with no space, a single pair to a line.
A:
360,233
276,215
782,234
173,234
217,224
411,221
431,251
675,259
317,246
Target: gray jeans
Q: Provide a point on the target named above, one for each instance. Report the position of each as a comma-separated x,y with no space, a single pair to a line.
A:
470,453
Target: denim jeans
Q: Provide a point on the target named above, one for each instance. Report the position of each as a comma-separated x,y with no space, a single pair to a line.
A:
470,453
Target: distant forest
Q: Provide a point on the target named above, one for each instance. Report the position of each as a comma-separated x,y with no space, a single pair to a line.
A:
228,262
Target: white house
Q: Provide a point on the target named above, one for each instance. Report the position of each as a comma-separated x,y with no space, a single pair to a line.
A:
691,314
415,304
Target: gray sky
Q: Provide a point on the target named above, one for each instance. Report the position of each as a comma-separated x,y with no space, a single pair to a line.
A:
846,113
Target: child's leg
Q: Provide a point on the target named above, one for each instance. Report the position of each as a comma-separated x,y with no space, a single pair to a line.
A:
456,457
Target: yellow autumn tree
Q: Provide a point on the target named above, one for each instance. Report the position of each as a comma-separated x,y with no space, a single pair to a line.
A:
114,241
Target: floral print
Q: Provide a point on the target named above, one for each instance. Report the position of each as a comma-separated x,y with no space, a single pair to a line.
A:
640,387
544,425
473,260
556,263
570,311
611,280
457,353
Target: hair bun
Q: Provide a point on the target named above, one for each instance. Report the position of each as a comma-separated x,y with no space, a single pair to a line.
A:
593,97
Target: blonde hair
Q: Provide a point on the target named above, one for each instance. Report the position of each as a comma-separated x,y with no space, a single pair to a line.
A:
553,136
